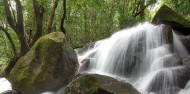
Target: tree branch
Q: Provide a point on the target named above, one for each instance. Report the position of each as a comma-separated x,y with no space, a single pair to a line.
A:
38,17
20,20
52,13
13,12
138,13
63,17
10,40
8,15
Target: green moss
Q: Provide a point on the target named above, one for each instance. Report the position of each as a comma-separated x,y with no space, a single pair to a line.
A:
87,84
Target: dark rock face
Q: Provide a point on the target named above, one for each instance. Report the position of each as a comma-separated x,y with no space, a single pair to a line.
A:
166,15
49,65
98,84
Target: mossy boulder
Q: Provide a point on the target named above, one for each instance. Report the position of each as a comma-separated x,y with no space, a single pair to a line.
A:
98,84
48,66
166,15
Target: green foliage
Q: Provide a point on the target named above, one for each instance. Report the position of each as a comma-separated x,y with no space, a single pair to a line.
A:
97,19
87,21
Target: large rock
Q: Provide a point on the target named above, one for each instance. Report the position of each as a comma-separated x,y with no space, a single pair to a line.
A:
49,65
98,84
166,15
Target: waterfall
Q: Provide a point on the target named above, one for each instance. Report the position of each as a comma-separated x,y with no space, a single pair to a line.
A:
144,55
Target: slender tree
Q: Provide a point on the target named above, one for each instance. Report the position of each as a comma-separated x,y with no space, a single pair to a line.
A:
63,17
10,40
52,13
17,24
38,21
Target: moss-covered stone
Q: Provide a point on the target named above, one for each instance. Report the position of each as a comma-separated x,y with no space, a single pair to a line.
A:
166,15
49,65
98,84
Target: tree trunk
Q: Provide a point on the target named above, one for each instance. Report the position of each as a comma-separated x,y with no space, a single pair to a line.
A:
142,6
110,18
38,17
17,25
9,15
63,17
52,13
123,14
20,28
10,40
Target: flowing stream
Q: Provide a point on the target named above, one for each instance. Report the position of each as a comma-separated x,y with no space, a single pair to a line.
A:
142,55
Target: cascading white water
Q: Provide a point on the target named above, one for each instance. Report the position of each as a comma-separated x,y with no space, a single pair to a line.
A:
138,54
